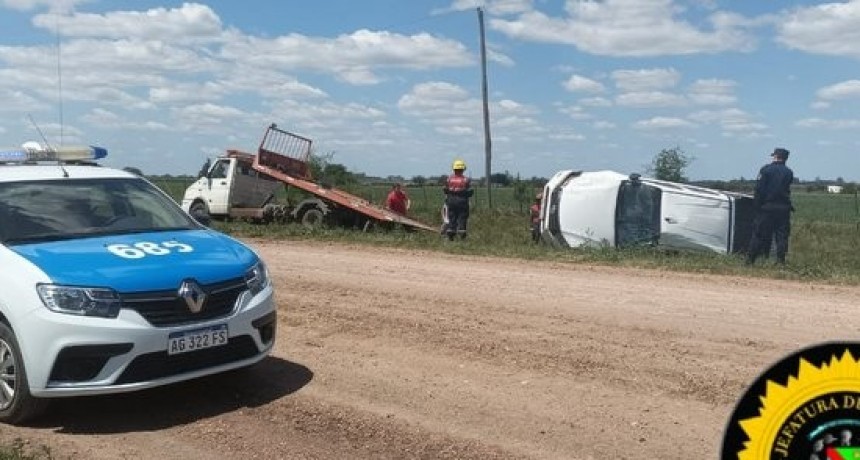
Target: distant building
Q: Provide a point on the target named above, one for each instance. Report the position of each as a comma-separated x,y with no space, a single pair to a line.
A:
834,189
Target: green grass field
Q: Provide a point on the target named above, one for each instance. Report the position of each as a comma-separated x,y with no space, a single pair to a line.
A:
825,240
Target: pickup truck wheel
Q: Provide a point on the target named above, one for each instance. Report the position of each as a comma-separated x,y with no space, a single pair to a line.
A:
17,405
312,218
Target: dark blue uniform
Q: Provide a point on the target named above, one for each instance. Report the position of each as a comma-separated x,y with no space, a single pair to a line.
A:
773,210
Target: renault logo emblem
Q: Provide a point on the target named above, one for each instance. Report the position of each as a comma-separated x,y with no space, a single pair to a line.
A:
193,294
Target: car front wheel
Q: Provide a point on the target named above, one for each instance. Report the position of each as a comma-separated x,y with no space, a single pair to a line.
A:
16,403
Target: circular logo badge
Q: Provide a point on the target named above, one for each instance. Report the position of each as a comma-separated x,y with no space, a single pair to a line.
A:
806,406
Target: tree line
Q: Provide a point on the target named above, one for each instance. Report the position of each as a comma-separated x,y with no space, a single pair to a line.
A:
670,164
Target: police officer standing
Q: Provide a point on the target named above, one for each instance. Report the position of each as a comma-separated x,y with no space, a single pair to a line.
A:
773,208
458,190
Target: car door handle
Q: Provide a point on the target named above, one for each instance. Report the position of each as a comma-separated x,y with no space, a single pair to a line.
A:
670,220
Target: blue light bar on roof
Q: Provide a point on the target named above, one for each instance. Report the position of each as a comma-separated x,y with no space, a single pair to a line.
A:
60,153
13,155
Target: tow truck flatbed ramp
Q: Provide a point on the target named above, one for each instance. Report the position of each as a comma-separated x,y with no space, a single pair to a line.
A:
284,156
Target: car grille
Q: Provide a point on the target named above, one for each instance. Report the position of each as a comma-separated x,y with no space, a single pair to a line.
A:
166,308
152,366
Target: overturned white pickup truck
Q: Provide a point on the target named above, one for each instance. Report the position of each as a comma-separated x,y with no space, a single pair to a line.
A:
606,208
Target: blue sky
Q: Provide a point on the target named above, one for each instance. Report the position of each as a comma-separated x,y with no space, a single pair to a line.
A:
392,87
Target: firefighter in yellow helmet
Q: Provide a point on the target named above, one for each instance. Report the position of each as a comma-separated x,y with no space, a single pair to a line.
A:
458,190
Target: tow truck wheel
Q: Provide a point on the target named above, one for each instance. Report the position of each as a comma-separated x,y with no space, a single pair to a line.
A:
200,211
312,218
16,403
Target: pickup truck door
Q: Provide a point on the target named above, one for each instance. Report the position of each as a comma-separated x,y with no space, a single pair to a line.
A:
695,221
220,182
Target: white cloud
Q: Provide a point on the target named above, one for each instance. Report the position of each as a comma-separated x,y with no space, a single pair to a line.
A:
567,137
186,74
595,102
441,99
749,127
719,116
828,28
112,62
731,120
334,114
629,28
498,7
184,92
110,96
434,98
54,132
509,6
510,107
712,92
576,112
190,23
352,58
499,58
828,124
458,130
205,116
107,119
17,101
645,79
451,110
515,122
839,91
270,83
659,123
650,99
54,5
359,75
578,83
446,107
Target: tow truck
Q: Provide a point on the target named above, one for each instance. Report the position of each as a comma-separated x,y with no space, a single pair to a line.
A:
244,185
109,287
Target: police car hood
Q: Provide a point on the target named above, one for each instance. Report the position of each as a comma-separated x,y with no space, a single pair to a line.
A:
141,261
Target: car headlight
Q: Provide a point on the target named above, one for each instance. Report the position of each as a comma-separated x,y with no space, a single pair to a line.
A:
81,301
257,278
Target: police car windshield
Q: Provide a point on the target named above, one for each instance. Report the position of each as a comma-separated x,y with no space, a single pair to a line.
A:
51,210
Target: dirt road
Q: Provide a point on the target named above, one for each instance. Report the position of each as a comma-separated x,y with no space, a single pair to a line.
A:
385,353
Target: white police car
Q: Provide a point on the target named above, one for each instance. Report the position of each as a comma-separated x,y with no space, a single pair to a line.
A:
107,286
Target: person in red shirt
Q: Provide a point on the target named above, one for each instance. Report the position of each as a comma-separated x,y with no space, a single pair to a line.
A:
458,190
397,200
534,212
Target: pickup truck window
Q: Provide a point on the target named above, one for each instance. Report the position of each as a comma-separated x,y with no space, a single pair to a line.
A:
637,214
54,210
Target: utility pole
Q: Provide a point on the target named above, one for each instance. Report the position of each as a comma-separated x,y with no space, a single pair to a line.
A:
59,75
488,146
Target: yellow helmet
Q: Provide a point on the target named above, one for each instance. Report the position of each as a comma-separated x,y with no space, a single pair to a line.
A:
459,164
